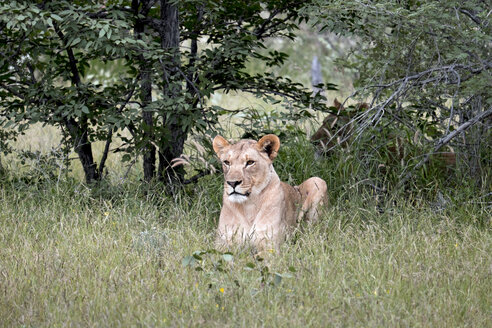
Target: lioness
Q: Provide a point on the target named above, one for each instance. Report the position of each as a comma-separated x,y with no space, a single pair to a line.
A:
257,207
336,125
340,125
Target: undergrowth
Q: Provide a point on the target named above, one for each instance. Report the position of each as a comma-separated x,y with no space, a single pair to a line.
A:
123,253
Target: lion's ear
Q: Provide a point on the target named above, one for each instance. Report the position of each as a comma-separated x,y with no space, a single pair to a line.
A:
270,145
219,143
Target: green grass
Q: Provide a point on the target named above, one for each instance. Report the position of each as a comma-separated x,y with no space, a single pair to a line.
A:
113,256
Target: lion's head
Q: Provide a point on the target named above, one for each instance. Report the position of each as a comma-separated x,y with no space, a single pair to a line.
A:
247,165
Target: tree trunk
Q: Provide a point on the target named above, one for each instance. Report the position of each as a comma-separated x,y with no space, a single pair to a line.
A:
145,98
170,151
83,148
79,130
148,120
2,170
173,147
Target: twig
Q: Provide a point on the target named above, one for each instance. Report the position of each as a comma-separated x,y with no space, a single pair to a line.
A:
129,168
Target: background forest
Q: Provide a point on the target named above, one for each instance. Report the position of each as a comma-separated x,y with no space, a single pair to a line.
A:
110,192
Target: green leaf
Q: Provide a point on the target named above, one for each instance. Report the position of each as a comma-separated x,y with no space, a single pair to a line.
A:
126,158
56,17
277,279
228,257
75,41
250,266
188,261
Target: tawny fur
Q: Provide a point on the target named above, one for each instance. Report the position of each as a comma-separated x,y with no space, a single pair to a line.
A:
257,207
336,129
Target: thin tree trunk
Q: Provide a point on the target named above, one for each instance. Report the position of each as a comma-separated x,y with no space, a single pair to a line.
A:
172,148
79,130
83,148
149,149
2,170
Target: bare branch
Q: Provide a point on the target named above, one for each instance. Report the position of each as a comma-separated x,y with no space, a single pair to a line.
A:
471,16
444,141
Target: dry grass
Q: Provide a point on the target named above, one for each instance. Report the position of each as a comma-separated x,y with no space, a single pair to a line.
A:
112,256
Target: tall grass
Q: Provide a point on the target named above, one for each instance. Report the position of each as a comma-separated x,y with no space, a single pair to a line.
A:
118,254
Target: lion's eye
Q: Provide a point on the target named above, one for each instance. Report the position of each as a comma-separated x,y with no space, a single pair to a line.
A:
227,163
248,163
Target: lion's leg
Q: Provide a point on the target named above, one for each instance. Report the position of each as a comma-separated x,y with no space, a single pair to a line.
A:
267,237
228,235
313,197
223,240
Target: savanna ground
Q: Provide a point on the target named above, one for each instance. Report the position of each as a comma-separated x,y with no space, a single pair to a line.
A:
121,253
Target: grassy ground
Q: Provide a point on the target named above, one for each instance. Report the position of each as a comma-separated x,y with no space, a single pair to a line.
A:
119,255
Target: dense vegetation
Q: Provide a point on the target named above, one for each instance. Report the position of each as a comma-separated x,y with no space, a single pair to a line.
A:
173,55
425,70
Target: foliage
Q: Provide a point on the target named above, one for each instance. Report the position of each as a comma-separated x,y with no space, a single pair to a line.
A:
425,66
218,264
175,54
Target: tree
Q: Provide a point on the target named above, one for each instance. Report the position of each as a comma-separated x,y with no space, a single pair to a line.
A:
46,48
176,55
425,65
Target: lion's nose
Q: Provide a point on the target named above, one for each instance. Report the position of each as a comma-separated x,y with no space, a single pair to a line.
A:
233,184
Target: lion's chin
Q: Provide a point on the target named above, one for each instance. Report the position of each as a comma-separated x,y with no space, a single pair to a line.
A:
237,198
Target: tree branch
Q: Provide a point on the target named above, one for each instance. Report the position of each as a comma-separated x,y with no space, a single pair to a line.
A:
72,61
471,16
104,157
196,177
444,141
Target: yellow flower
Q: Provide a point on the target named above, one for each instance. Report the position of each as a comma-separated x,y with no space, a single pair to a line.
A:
456,245
375,293
216,305
106,213
180,311
271,250
221,290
